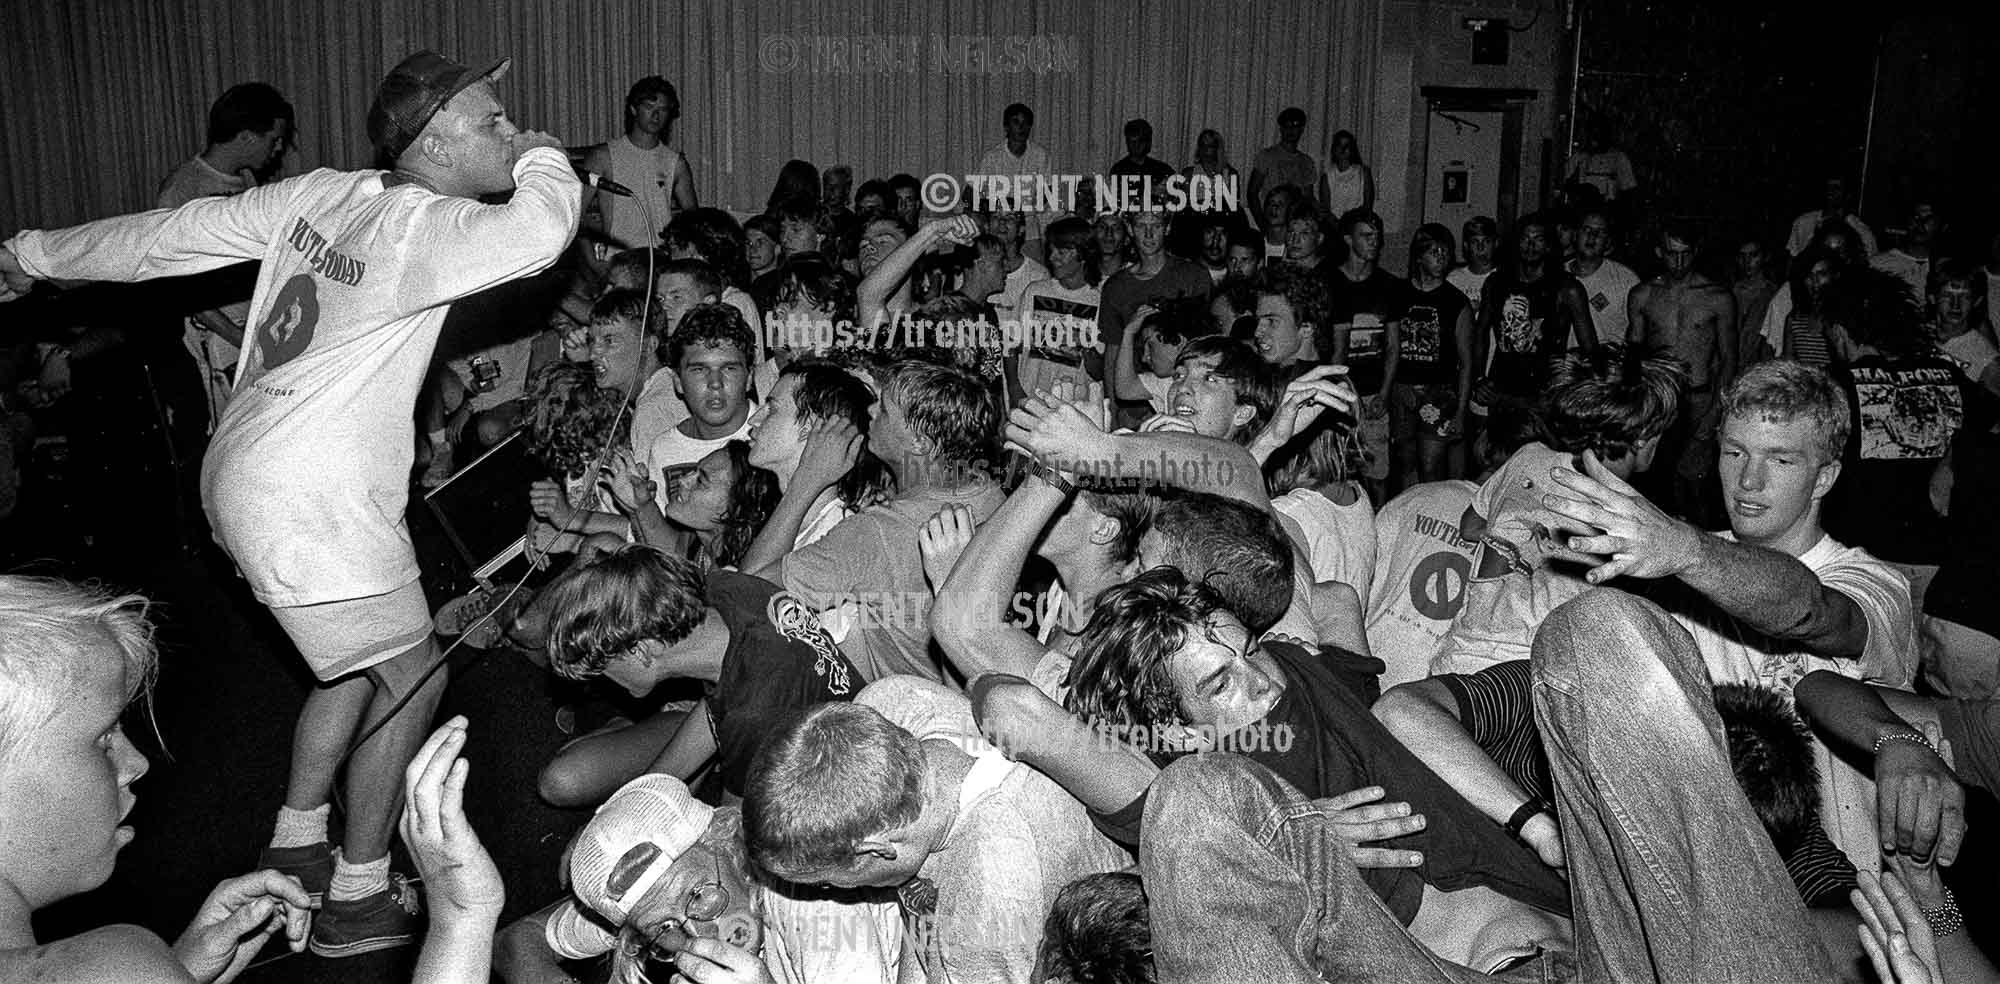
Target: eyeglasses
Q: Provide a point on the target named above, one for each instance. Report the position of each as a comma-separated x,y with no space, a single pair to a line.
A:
705,903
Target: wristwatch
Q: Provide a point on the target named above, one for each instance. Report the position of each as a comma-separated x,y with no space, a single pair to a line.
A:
1054,478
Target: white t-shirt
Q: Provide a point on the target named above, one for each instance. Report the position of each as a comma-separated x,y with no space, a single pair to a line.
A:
308,474
673,449
1034,160
1422,567
637,221
1610,172
1340,540
1607,290
821,522
213,354
657,410
1735,655
1972,351
1007,303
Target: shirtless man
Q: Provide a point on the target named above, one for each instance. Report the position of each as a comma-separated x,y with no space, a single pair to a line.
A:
1694,319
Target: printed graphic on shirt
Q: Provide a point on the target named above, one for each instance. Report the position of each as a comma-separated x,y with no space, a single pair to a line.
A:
1598,302
795,621
1422,339
288,326
1074,317
1907,414
1437,586
1518,331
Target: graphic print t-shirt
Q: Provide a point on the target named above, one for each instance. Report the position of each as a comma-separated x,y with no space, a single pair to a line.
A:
1422,566
1429,354
1906,413
779,663
1529,335
1064,321
1364,309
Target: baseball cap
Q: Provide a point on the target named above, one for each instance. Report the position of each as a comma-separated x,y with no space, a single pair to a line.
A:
635,837
413,92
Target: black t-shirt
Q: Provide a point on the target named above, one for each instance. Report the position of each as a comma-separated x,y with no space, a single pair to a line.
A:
1429,354
1530,329
1322,739
779,663
1905,413
1364,309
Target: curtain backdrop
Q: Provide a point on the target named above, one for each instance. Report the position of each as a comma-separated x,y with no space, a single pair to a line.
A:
104,97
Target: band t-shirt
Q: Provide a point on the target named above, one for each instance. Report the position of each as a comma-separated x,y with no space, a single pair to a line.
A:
779,663
1429,354
1422,567
1529,331
1905,414
1364,308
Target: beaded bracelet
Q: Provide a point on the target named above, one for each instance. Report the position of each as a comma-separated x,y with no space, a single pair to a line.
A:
1944,919
1903,736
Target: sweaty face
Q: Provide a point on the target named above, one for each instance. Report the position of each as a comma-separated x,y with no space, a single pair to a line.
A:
698,497
617,354
66,790
478,138
1222,680
1203,399
1772,471
713,379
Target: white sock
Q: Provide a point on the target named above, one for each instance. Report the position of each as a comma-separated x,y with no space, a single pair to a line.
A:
299,828
356,881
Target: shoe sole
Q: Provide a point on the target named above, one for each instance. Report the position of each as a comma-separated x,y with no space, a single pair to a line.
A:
358,947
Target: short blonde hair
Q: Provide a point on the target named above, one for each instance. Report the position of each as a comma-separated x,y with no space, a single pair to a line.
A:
49,629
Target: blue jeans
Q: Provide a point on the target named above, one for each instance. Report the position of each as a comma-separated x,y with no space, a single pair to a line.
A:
1671,874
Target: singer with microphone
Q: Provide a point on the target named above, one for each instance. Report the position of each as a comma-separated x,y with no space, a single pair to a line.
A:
652,179
307,477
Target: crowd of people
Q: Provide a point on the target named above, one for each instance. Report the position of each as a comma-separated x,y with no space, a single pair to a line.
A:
1095,596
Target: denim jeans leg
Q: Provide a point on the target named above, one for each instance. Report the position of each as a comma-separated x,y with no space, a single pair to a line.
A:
1671,873
1247,883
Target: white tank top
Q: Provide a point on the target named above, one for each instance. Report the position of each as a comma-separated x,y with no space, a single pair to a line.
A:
1345,189
637,221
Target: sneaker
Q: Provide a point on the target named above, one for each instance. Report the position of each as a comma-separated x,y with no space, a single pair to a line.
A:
387,919
312,865
467,616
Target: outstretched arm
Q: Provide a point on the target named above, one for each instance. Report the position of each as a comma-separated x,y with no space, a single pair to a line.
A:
1625,534
1060,435
872,296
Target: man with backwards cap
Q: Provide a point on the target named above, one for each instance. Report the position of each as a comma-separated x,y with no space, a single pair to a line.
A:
658,876
307,476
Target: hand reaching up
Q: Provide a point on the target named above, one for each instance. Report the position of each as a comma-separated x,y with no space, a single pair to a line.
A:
458,874
942,539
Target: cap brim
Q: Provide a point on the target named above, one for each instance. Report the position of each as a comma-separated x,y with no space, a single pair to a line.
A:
493,73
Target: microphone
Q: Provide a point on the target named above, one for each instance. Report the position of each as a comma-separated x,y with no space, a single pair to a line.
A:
603,184
577,155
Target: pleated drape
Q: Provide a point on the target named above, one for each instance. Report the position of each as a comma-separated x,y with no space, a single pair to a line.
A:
102,98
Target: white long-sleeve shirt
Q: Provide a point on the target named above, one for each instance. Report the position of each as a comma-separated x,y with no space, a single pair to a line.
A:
307,476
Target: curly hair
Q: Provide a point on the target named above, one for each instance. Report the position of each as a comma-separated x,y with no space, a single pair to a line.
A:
709,326
571,419
753,494
1122,674
1305,292
1099,931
